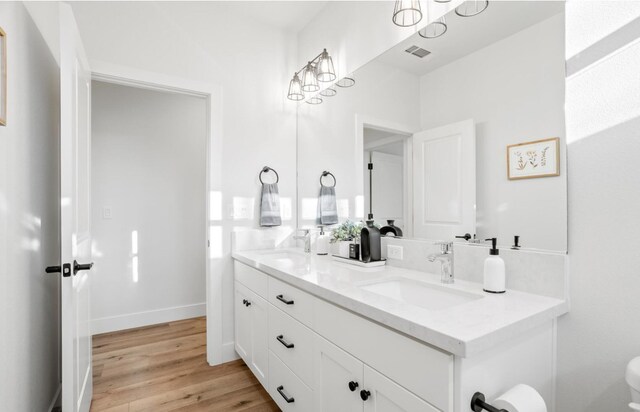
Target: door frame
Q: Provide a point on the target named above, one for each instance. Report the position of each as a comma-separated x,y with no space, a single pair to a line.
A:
212,93
403,132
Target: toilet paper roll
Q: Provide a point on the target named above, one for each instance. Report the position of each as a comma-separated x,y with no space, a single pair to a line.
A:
521,398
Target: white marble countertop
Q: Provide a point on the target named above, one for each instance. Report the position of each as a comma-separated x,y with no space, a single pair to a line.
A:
464,330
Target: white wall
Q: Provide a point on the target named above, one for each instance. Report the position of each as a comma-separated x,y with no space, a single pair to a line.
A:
148,168
250,61
29,213
514,91
602,331
328,136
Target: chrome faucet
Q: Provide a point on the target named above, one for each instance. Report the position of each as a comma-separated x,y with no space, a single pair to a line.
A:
445,257
306,238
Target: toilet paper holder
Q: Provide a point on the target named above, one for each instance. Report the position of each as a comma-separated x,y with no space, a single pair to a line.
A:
478,404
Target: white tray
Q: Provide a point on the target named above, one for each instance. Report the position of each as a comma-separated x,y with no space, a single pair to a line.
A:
354,262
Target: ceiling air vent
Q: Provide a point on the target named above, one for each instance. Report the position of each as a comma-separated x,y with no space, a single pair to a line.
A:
418,51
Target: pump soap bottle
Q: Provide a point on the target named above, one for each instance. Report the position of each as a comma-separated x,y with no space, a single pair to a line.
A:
322,242
494,273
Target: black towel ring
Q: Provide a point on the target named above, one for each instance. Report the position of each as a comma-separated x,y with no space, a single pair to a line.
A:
324,174
266,169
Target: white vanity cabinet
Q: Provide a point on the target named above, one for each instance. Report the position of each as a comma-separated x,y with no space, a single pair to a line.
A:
251,320
319,344
314,356
345,384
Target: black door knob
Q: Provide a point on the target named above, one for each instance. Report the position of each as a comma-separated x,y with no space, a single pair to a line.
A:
53,269
364,394
78,267
353,385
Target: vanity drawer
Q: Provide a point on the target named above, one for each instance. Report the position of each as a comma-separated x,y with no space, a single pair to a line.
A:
422,369
289,392
291,300
292,342
251,278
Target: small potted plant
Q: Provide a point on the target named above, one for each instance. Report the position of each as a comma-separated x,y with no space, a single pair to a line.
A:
345,234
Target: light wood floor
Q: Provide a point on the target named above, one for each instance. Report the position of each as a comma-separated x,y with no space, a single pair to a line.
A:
164,368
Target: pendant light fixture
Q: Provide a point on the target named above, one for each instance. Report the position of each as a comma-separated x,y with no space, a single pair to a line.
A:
309,79
472,8
345,82
295,89
325,71
329,92
305,80
407,13
434,29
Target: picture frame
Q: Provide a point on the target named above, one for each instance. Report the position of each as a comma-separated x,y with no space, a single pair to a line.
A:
534,159
3,78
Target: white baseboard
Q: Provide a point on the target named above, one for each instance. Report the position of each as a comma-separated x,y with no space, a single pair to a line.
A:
54,401
152,317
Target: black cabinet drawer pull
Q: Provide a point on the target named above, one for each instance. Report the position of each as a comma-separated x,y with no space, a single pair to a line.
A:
283,300
281,340
364,395
280,390
353,385
246,302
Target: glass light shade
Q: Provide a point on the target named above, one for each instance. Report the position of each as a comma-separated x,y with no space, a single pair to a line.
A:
472,8
434,29
314,100
324,70
345,82
329,92
407,13
295,89
309,79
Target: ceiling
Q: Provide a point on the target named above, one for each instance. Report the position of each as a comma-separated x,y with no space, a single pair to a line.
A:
374,137
290,15
467,34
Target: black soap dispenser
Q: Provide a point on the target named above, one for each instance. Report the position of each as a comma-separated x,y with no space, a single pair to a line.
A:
370,243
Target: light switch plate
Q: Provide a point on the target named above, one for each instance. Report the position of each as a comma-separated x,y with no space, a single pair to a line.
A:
395,252
106,213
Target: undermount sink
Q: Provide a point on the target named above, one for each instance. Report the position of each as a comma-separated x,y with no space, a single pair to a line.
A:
428,296
285,256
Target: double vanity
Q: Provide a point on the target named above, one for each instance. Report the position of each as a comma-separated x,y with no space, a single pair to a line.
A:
321,335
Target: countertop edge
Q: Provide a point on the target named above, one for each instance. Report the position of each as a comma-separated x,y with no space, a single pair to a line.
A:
406,327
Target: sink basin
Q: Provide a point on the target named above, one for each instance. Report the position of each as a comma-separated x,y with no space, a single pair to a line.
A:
285,257
428,296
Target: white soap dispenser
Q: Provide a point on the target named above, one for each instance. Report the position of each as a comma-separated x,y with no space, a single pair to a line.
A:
322,242
494,273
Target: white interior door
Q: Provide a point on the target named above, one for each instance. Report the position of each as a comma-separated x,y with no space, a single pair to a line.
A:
75,167
444,181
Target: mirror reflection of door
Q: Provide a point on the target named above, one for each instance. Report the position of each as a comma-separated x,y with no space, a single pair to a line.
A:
384,176
444,181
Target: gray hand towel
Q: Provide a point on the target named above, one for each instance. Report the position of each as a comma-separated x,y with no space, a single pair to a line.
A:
327,207
270,205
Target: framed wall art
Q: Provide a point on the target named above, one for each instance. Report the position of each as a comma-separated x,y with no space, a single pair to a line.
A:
539,158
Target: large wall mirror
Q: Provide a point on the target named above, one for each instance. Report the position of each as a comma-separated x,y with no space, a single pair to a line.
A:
448,135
